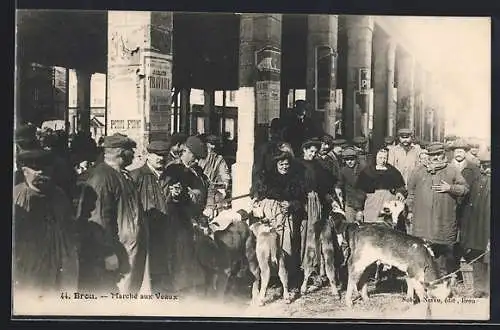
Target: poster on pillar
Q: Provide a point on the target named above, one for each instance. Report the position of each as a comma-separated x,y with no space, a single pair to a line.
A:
268,101
158,92
268,63
325,77
364,81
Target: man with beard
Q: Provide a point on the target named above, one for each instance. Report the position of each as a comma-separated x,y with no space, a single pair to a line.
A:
114,236
45,259
433,192
215,168
404,156
327,157
360,144
352,196
475,226
153,200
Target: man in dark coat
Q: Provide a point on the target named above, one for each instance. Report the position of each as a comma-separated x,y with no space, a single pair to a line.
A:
150,185
114,236
433,192
45,244
327,158
353,197
299,127
475,226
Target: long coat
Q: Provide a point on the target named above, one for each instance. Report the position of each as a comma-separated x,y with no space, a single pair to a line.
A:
405,161
45,242
154,203
475,215
114,226
435,213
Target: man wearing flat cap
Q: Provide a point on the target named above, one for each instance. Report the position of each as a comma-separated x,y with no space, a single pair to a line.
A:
45,255
475,226
149,182
404,155
214,166
433,194
360,143
114,238
327,157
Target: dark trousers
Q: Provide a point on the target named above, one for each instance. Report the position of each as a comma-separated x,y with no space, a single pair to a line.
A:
445,258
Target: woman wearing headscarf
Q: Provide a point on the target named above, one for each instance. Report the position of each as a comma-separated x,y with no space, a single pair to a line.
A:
279,195
380,182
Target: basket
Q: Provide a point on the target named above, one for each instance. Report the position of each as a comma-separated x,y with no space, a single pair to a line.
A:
467,276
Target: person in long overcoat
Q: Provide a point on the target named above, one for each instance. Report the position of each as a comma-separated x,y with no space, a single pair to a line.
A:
433,194
148,179
113,232
475,226
45,242
404,155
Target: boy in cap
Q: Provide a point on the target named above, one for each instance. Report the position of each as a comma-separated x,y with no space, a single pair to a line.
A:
327,157
114,238
404,156
347,184
45,242
475,227
433,194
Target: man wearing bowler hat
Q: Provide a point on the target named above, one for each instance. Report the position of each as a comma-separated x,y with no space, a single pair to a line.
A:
148,179
45,256
433,193
404,155
114,237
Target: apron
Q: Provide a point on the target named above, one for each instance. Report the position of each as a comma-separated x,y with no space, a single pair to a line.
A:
374,203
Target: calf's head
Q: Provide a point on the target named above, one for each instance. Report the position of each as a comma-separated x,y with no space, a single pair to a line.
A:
394,212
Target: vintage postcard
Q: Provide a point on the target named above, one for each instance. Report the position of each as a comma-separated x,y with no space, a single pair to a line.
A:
251,165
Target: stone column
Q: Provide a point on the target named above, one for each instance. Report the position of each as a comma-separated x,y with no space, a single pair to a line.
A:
383,107
406,97
140,75
419,92
185,115
83,100
359,57
322,66
258,96
391,84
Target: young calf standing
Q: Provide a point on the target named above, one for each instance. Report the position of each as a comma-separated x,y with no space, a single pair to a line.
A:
369,244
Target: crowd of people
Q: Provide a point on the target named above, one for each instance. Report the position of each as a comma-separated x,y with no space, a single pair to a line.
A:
98,227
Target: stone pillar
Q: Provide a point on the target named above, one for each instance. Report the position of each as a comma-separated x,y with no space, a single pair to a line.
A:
209,111
140,75
185,115
258,96
322,66
383,67
83,100
391,84
406,97
419,106
359,57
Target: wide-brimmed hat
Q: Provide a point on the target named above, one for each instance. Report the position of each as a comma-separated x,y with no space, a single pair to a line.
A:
339,142
35,158
197,147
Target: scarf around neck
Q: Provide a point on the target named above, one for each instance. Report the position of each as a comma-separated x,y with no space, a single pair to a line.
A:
432,167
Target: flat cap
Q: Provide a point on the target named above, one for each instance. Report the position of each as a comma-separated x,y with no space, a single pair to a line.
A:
311,142
359,140
25,133
160,147
118,140
485,156
34,158
460,144
349,152
435,148
339,142
405,131
196,146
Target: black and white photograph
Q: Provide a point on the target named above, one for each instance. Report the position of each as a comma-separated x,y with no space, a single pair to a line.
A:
251,165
